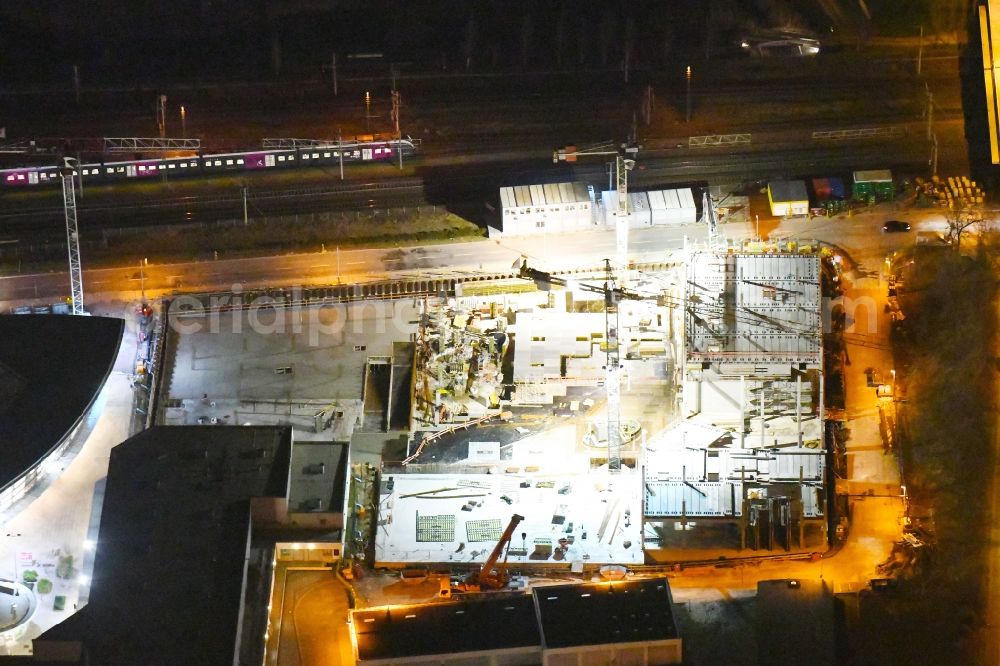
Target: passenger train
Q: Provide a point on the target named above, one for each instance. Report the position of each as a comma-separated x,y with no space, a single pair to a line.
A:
353,152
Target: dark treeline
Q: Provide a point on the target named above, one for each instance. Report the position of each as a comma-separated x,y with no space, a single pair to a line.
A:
124,41
946,346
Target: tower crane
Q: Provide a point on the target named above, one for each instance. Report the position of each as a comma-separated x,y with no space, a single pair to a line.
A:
68,173
623,164
612,364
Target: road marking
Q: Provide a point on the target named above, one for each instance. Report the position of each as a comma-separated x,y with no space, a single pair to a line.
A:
328,266
354,263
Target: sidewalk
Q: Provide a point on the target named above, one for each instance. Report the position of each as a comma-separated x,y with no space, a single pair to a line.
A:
49,535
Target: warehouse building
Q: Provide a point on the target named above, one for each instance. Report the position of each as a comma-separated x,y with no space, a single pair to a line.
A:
623,622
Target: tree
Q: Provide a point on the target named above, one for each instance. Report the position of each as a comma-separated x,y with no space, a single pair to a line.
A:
64,569
963,200
961,215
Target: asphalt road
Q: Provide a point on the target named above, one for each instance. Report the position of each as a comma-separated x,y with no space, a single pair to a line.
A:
308,619
561,251
860,235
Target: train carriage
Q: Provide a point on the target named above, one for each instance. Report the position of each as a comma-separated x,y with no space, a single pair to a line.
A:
191,166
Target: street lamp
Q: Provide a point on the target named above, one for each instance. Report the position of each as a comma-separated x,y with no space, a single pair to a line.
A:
687,115
368,109
183,123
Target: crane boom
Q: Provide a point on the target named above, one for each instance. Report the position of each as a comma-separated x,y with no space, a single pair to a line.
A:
488,577
622,166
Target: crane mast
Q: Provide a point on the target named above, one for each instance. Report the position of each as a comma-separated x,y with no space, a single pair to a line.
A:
68,174
612,380
612,346
621,213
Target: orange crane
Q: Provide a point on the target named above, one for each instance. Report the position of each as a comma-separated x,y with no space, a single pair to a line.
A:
492,576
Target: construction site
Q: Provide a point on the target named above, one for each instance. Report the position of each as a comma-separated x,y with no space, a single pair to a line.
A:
657,413
716,439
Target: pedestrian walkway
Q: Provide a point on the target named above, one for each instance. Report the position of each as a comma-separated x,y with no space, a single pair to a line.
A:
48,535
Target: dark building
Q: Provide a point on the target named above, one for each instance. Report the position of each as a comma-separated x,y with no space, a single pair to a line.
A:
618,622
52,369
796,623
503,629
175,578
626,622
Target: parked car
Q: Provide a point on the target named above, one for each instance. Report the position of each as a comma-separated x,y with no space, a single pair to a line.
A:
895,226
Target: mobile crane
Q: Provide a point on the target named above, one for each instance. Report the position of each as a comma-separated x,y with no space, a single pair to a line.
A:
493,576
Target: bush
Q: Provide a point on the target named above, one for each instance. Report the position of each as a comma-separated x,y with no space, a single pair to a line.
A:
65,567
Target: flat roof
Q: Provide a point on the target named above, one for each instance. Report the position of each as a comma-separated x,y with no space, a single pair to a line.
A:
604,613
795,622
398,632
319,474
551,617
171,556
589,517
787,190
49,382
873,176
544,195
278,366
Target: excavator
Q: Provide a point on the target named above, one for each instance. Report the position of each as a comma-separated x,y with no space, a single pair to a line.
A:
492,576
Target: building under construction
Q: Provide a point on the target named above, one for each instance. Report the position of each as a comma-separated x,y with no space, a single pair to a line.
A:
746,466
720,420
479,399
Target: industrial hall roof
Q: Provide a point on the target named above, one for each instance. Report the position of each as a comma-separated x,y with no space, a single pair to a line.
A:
52,368
171,561
604,613
446,628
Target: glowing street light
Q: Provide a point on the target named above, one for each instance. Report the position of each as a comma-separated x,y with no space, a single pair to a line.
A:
687,116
